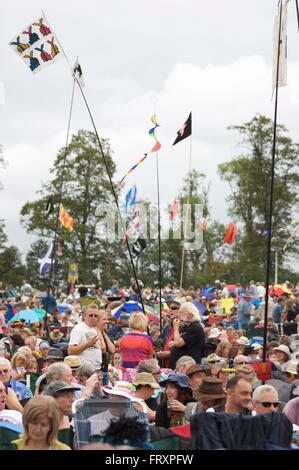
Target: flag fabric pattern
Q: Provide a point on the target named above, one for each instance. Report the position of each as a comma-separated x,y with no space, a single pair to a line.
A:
174,211
65,219
73,273
138,246
77,71
185,131
46,261
134,227
49,206
202,226
130,199
231,234
282,51
36,45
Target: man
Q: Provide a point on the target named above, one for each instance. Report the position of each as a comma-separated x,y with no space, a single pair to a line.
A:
189,337
247,372
253,289
196,373
261,290
243,311
264,399
64,394
240,360
277,314
84,340
238,392
168,332
17,387
31,342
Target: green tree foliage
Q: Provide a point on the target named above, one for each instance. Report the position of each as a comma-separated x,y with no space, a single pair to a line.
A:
249,178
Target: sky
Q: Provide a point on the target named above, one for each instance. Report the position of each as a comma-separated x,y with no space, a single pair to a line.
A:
140,58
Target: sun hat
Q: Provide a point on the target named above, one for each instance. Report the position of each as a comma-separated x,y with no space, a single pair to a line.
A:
257,346
121,388
291,367
73,361
144,378
246,369
56,335
243,341
182,380
210,388
55,354
197,368
44,345
283,348
213,358
56,387
249,350
214,333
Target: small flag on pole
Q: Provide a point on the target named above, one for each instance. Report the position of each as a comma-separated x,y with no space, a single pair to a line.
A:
77,70
185,130
73,273
46,261
36,45
138,246
49,206
280,36
130,199
175,209
65,219
231,234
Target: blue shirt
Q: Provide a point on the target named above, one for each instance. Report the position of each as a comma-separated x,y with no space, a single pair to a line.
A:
20,389
243,309
276,313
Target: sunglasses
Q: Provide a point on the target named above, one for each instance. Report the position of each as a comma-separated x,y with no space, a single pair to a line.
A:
267,404
174,307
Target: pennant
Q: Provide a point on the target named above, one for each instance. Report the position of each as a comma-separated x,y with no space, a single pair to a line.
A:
77,70
139,246
73,273
65,219
185,130
46,261
49,206
231,234
282,52
134,227
130,199
36,45
175,209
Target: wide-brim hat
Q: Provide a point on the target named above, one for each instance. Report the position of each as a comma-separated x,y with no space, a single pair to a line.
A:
214,333
182,380
172,301
210,389
144,378
56,335
121,388
291,367
243,341
283,348
73,361
196,368
213,358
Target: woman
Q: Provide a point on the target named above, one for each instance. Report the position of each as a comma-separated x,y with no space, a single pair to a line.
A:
136,346
178,394
282,355
223,350
41,422
115,369
145,386
106,344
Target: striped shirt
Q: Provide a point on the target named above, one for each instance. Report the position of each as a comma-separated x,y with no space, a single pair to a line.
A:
135,347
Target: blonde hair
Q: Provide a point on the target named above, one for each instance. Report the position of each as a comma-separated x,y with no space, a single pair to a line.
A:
39,408
138,321
17,357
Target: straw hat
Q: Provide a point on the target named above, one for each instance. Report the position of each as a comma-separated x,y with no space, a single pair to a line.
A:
243,341
210,389
144,378
56,336
121,388
214,333
73,361
283,348
291,367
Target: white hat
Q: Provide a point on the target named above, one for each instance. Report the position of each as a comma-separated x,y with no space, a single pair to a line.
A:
121,388
257,346
283,348
243,341
214,333
291,367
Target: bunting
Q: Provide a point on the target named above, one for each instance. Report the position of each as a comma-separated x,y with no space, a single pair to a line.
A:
65,219
154,149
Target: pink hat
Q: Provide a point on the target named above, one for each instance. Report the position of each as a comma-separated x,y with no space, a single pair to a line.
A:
121,388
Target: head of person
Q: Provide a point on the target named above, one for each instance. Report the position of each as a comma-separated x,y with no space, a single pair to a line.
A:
73,362
212,360
151,366
64,394
183,364
91,315
5,370
188,313
30,342
223,349
138,321
177,388
44,348
291,370
120,391
282,353
19,360
240,360
32,366
84,372
145,384
196,374
245,371
103,320
174,308
41,420
265,399
59,372
210,393
239,392
25,333
250,352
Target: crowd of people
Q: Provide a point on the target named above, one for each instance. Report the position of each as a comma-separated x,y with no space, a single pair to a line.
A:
171,369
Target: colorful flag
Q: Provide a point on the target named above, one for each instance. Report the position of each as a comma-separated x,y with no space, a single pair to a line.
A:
280,36
138,246
134,227
231,234
36,45
175,209
202,226
130,199
77,70
65,219
46,261
185,130
73,273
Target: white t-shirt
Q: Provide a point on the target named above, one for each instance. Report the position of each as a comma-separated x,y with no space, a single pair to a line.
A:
80,334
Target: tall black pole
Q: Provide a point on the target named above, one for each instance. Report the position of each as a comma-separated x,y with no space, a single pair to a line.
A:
159,243
271,192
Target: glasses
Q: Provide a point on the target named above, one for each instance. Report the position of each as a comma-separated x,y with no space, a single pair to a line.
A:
174,307
4,371
267,404
93,315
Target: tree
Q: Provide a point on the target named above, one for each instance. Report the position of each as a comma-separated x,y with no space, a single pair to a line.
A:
249,178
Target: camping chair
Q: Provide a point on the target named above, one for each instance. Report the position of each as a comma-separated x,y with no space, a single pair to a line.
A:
92,417
6,436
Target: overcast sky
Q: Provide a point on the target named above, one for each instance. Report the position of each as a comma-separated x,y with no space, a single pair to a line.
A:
211,57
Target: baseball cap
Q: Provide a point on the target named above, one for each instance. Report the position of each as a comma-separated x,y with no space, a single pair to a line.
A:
56,387
44,345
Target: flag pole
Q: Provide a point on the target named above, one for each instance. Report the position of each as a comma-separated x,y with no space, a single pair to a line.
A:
159,237
187,214
106,166
271,191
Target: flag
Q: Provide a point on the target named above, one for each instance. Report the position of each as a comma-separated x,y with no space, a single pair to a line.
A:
139,246
36,45
130,198
202,226
282,51
134,226
185,130
46,261
77,70
49,206
175,209
65,219
58,251
73,273
231,234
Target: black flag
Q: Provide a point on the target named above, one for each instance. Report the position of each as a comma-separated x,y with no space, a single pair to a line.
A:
185,130
49,206
138,246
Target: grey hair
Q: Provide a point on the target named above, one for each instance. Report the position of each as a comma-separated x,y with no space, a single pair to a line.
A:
256,396
5,362
183,360
86,370
56,371
192,309
148,366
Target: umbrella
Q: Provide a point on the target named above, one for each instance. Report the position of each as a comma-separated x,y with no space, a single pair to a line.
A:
279,289
129,306
40,313
28,315
200,306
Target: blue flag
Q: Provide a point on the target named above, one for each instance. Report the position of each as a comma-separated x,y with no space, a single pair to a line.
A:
45,262
130,199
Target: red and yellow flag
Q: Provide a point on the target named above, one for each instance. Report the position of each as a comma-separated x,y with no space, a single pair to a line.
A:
65,219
